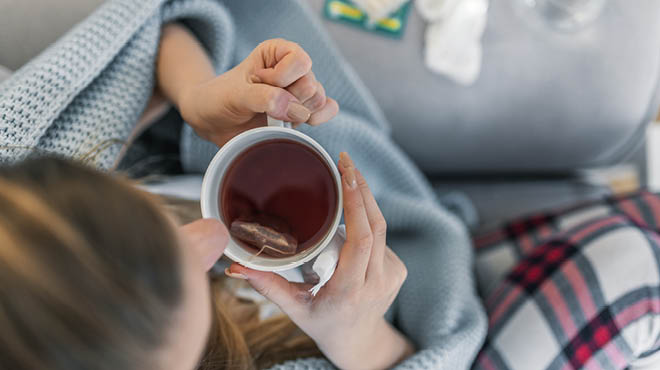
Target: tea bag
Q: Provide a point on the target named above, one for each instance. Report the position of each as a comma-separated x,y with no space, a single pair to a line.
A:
266,239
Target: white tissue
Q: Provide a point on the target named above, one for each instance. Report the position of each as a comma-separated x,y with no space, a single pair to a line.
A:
435,10
453,34
453,37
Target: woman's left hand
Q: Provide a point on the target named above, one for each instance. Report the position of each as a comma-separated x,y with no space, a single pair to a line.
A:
346,317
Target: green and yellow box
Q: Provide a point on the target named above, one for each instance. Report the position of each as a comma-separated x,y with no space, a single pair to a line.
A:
346,12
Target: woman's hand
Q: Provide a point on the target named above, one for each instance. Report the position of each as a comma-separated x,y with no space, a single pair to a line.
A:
275,79
208,238
346,317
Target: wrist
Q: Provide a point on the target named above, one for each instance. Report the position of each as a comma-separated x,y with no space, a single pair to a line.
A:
190,101
377,346
184,101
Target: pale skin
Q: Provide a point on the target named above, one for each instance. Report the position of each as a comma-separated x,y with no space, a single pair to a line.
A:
346,318
275,79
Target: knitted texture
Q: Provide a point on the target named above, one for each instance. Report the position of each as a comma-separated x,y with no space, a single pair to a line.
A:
82,96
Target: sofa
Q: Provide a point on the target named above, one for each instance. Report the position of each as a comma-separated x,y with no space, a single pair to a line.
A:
546,106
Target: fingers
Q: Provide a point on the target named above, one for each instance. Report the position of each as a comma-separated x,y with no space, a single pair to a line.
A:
286,65
325,114
290,297
312,95
395,268
309,91
354,257
208,237
376,223
284,62
276,102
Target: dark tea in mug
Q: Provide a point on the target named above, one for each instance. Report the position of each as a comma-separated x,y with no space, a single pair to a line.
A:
278,197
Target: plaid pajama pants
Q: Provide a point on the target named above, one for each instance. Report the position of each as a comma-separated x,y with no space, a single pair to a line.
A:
574,289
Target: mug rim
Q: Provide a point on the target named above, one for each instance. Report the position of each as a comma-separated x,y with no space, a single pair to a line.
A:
208,189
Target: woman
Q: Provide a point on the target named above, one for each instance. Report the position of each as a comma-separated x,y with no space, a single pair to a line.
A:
133,310
83,96
86,284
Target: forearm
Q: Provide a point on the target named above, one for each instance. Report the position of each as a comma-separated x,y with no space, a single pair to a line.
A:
382,348
182,62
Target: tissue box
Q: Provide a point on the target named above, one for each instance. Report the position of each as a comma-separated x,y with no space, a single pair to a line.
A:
346,12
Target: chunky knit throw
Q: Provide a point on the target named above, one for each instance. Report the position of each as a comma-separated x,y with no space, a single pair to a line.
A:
82,96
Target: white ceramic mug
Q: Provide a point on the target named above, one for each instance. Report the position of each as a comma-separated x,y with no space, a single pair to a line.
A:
213,179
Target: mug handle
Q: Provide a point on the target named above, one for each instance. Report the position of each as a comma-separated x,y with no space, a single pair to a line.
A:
272,122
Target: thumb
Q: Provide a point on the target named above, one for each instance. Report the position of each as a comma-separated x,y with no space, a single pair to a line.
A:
275,102
208,237
290,297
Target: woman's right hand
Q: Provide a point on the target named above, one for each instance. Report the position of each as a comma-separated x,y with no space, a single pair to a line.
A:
346,317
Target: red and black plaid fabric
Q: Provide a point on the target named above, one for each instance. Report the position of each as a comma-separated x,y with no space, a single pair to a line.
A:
577,288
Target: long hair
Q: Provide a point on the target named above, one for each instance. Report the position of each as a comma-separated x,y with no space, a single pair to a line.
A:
91,275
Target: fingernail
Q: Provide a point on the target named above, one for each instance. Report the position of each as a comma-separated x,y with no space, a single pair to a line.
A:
349,170
235,275
297,112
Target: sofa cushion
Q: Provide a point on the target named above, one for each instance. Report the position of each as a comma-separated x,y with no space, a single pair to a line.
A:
545,101
29,26
500,200
4,73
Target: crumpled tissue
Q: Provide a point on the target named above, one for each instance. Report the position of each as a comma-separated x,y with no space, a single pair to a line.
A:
453,34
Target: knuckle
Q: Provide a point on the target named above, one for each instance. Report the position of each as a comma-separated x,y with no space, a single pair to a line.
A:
280,79
355,205
303,63
365,242
272,95
304,58
264,44
380,227
267,44
316,102
362,182
404,273
265,288
291,44
275,102
276,40
307,90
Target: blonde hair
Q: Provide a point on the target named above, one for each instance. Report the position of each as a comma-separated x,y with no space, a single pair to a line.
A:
90,276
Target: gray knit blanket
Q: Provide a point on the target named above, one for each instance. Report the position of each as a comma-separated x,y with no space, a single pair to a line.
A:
83,95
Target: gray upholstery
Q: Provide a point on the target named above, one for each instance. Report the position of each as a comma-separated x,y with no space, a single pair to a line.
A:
29,26
4,73
544,101
500,199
